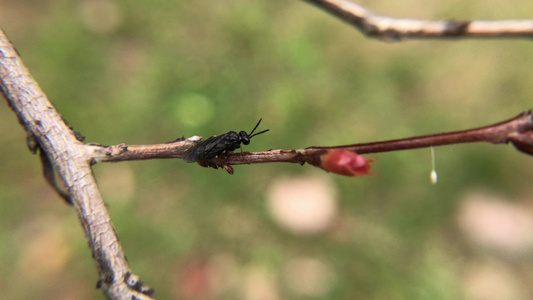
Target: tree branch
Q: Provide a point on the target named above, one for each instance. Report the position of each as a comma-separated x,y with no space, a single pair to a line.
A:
123,152
71,161
518,131
499,133
389,28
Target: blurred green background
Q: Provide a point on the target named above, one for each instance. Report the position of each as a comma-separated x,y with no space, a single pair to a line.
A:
142,72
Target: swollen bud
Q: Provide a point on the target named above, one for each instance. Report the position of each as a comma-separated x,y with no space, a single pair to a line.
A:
344,162
523,142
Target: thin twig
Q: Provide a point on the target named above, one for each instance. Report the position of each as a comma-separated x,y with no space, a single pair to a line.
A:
500,133
517,130
123,152
390,28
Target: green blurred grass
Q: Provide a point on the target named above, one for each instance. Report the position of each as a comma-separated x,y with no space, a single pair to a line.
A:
168,69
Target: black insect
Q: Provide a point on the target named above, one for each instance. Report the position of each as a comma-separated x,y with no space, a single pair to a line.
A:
222,144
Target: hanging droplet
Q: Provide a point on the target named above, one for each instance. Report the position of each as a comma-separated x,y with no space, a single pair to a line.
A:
433,175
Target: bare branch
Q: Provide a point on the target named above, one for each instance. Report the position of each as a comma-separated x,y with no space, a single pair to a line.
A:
389,28
500,133
71,161
518,131
123,152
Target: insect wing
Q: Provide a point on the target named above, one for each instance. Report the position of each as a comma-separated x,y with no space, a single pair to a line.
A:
208,149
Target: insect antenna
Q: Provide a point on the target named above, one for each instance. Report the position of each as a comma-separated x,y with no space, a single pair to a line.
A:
251,136
257,125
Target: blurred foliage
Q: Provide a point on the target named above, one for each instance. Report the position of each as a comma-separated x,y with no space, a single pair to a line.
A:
151,71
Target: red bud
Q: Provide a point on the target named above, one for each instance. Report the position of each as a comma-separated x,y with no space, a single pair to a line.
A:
346,163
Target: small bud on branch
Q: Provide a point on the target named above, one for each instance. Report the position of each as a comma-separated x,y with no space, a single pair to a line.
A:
342,162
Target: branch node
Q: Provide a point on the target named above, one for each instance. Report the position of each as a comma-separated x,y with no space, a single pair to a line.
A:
456,28
115,150
134,282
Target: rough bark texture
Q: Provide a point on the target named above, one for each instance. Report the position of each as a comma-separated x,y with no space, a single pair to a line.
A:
71,161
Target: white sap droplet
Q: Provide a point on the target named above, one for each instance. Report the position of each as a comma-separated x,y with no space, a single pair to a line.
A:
433,176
